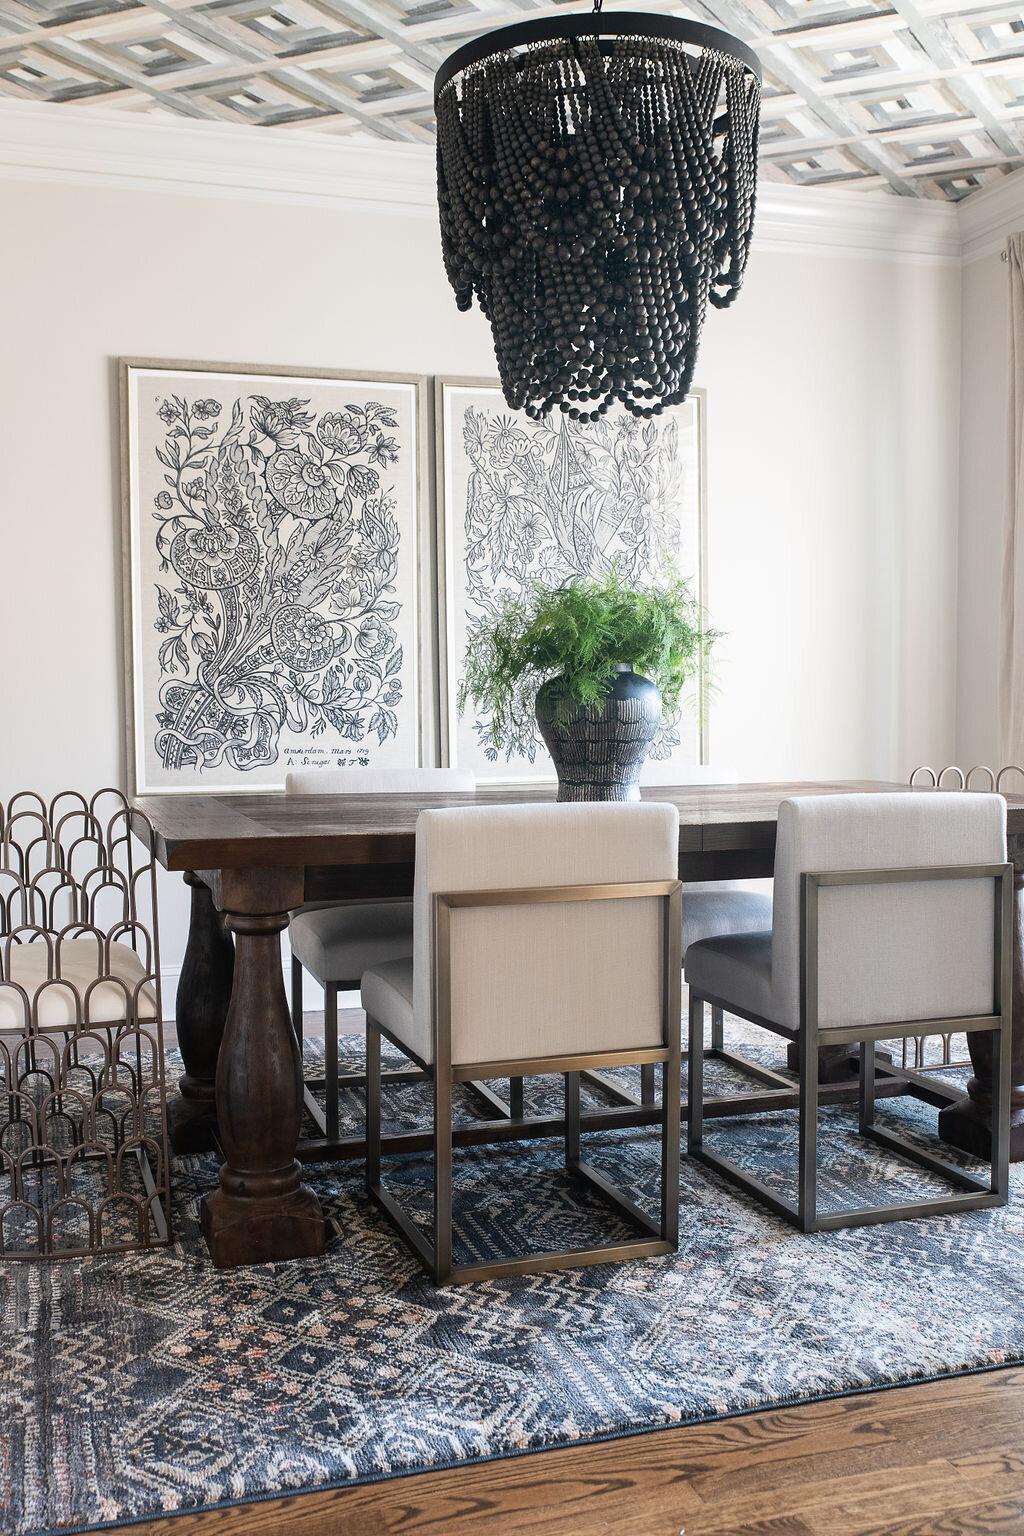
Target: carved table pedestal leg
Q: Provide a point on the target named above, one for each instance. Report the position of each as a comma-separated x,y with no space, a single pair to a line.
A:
261,1211
204,992
968,1125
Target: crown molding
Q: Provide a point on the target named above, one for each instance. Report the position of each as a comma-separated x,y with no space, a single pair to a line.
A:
42,142
988,216
845,222
99,147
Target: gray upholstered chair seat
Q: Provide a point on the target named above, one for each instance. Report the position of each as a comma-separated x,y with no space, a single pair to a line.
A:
339,943
715,907
344,941
388,996
734,966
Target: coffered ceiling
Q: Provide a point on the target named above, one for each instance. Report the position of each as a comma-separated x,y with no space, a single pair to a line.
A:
923,97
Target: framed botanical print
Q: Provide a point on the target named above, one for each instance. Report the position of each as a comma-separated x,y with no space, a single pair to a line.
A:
523,500
273,566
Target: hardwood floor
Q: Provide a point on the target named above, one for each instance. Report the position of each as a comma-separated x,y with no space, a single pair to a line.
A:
942,1459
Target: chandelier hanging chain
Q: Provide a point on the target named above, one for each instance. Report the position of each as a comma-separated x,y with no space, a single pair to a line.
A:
596,182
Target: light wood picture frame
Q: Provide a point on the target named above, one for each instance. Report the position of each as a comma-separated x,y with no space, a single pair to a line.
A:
277,566
519,499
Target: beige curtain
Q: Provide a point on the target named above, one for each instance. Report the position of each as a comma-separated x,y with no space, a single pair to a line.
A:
1011,693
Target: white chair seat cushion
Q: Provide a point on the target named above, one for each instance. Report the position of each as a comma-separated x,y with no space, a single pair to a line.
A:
387,996
736,967
339,943
79,961
718,907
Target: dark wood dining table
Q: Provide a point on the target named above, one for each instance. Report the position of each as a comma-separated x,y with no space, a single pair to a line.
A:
252,859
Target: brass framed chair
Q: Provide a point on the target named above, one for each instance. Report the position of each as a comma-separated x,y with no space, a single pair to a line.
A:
337,941
547,941
892,917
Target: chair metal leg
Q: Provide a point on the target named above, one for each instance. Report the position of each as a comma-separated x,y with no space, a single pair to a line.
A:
695,1075
807,1198
297,999
671,1113
1001,1063
717,1028
866,1097
572,1118
648,1093
515,1098
331,1055
442,1174
372,1103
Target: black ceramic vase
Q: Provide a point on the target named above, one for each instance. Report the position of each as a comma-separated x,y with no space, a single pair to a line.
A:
599,751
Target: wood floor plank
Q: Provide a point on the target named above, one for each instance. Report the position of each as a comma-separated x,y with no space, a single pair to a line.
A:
996,1518
854,1443
832,1506
785,1525
993,1463
849,1518
946,1454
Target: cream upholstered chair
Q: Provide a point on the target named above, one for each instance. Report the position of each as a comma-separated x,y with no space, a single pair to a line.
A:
891,911
547,940
710,908
336,941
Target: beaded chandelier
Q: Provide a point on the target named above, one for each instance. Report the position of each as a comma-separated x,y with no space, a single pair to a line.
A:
596,182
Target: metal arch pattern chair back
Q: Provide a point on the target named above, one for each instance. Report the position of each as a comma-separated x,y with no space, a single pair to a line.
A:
930,779
988,781
83,1132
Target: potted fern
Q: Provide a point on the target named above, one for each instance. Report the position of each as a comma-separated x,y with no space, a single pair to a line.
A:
601,658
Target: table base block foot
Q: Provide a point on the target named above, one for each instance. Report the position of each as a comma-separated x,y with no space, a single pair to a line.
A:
247,1231
836,1063
191,1125
968,1127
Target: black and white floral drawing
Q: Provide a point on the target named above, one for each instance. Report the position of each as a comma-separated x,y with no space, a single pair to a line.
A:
548,500
278,611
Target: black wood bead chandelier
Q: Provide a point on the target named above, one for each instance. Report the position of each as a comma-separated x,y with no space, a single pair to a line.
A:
596,181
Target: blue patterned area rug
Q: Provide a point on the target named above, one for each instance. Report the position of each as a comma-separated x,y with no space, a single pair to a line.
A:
151,1383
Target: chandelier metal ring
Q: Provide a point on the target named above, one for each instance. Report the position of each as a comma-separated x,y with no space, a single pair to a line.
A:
674,29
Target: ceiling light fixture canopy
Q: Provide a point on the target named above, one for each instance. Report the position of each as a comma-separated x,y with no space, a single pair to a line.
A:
596,183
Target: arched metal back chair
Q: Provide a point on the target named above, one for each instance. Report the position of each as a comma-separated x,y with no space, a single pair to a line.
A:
83,1132
952,778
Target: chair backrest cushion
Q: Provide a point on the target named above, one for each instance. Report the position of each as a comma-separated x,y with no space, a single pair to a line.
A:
379,781
545,979
896,952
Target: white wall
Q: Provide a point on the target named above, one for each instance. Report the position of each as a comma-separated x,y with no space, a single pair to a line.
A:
986,219
832,458
986,348
832,462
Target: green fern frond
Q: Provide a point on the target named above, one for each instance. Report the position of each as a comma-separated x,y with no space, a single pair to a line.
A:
578,631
